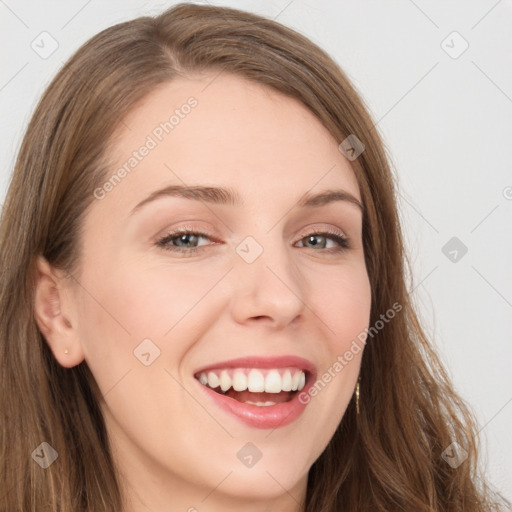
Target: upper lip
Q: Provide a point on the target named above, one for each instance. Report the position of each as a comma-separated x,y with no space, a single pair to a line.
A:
283,361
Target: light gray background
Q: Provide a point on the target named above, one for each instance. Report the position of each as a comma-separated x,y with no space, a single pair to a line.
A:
447,125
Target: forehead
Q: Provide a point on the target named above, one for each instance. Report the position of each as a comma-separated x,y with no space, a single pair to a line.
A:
224,130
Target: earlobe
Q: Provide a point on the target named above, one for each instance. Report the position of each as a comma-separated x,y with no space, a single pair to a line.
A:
51,308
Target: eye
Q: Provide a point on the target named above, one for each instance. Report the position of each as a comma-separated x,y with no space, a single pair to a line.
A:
186,241
320,240
183,240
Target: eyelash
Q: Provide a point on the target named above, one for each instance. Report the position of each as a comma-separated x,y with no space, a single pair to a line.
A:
339,238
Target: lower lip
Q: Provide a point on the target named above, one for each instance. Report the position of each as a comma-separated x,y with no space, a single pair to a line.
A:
265,416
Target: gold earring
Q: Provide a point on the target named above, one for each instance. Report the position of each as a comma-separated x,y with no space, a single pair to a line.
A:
357,397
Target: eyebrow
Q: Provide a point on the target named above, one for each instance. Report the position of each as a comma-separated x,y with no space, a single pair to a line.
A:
222,195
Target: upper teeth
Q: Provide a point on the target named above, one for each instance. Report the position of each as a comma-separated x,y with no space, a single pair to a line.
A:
255,381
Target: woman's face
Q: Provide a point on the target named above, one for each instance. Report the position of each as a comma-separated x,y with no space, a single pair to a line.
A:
160,315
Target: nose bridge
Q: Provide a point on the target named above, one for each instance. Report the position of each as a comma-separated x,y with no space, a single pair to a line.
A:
265,281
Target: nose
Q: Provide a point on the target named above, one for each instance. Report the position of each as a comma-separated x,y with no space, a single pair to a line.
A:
269,289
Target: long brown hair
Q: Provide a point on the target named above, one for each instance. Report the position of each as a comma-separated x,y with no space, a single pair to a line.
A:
388,456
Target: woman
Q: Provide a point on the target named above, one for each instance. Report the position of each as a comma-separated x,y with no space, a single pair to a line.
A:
276,363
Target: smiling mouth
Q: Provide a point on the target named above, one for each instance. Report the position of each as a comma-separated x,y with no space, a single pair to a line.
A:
255,386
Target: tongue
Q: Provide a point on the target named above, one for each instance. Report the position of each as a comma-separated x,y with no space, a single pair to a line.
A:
244,396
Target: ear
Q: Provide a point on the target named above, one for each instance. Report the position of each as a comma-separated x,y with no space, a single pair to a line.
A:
52,308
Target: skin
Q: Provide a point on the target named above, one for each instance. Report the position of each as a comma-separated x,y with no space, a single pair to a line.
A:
174,448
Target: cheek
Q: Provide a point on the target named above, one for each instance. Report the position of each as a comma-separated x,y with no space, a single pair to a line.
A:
343,306
159,301
129,303
343,301
145,301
